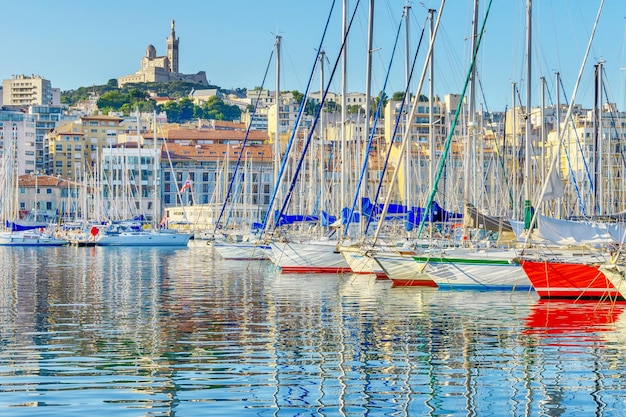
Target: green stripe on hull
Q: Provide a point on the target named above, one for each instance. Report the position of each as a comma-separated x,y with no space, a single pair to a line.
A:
463,261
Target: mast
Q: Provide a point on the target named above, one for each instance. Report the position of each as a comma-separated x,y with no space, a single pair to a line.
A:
471,123
277,100
567,118
157,213
410,116
344,71
558,124
431,117
368,95
528,211
597,137
321,141
407,124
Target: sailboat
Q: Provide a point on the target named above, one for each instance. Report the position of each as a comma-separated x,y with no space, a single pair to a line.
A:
31,237
583,271
453,267
242,242
14,232
303,251
392,260
136,232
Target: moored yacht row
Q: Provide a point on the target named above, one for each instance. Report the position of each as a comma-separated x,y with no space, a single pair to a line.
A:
553,271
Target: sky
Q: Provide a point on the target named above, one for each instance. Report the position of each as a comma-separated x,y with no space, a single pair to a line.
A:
78,43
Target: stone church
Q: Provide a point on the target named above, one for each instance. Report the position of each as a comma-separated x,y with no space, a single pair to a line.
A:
162,69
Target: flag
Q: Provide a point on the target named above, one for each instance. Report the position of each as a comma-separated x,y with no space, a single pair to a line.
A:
186,185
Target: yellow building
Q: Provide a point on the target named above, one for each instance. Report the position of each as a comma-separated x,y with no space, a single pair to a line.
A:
75,148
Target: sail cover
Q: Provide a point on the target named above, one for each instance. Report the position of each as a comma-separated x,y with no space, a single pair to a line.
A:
474,219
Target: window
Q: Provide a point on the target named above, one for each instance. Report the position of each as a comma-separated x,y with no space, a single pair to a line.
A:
48,190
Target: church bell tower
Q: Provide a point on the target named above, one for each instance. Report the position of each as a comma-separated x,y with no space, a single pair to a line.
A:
172,50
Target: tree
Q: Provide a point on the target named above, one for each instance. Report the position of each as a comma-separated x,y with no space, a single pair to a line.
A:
311,107
297,96
354,109
376,100
112,100
172,109
398,96
332,107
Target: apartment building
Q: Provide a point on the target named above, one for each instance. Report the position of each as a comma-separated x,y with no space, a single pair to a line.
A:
130,182
24,90
17,143
47,199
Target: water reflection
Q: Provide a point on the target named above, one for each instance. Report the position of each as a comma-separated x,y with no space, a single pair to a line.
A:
139,331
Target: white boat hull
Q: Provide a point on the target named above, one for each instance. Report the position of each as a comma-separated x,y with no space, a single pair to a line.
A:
29,238
361,262
308,257
477,270
243,251
144,238
403,270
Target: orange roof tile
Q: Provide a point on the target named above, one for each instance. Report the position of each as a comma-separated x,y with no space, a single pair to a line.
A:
216,135
215,152
44,181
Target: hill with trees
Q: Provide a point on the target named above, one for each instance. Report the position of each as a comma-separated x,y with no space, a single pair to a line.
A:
137,96
181,108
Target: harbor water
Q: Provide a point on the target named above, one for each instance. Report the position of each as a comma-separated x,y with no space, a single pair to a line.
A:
90,331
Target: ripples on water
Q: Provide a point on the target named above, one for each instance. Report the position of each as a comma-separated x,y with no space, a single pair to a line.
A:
156,332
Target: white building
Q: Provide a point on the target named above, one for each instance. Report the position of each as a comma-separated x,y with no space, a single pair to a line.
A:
17,143
130,182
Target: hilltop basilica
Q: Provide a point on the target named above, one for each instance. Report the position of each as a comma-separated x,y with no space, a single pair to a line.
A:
162,69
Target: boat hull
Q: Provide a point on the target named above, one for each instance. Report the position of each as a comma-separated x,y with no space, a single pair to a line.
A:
362,263
476,270
553,279
30,239
144,239
403,270
241,251
308,257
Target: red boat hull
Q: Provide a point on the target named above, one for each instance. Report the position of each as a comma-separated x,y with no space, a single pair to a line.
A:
314,270
568,280
413,283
